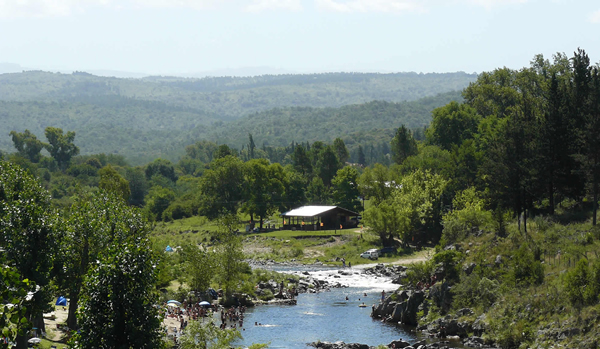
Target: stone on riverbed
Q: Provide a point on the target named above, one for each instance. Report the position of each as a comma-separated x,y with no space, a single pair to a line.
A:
338,345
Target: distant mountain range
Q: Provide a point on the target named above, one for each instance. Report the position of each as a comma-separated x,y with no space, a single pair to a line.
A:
240,72
157,116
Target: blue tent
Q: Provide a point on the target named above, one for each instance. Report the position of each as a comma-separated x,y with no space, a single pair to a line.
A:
61,301
169,249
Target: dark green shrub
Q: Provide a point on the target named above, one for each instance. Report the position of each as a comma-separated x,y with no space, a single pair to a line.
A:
525,269
266,295
450,260
419,272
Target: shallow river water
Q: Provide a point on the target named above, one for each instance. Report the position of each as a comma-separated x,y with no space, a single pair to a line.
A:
325,316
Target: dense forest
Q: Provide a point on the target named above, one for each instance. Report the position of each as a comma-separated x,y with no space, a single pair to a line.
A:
144,130
504,183
143,119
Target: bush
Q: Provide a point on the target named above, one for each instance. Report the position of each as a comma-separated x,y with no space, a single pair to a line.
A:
296,252
487,292
582,284
419,272
468,213
177,210
450,260
525,269
266,295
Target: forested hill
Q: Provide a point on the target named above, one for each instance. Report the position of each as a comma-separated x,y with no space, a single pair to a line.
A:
355,124
145,130
232,97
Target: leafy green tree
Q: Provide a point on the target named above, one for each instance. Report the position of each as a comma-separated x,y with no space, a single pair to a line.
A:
467,160
13,290
340,150
327,165
157,201
202,151
118,303
452,124
87,232
493,93
556,144
27,145
468,212
264,184
223,151
138,185
403,145
230,255
251,146
222,187
302,162
376,183
431,158
111,180
361,156
345,189
387,221
28,236
412,213
295,190
161,167
199,268
60,146
591,141
317,193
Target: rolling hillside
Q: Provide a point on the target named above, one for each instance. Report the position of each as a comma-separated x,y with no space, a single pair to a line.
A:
158,116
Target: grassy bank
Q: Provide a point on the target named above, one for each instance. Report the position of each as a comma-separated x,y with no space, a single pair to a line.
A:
525,283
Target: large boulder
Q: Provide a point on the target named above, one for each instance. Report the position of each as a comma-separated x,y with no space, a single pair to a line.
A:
406,311
398,344
383,310
479,325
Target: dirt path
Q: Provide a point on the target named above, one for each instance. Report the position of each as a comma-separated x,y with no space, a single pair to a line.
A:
419,257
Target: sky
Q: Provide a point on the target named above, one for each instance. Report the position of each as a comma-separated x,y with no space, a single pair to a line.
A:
170,37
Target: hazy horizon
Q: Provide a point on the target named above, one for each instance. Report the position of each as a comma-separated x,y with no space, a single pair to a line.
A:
195,37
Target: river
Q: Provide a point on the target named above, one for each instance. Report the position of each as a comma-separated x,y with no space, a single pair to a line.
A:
325,316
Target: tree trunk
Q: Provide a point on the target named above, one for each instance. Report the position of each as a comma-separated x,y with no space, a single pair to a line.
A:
38,322
551,197
525,220
595,201
22,338
261,222
72,317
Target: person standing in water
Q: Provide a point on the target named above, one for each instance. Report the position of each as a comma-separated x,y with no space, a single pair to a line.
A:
382,296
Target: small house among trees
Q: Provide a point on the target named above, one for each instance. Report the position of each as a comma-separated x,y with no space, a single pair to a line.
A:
319,218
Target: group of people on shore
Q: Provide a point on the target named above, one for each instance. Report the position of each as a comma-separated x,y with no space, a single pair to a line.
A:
234,317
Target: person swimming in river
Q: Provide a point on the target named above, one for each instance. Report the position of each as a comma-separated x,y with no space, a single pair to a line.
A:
346,297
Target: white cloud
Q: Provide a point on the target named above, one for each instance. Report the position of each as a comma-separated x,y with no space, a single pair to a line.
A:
595,17
495,3
191,4
42,8
369,5
48,8
264,5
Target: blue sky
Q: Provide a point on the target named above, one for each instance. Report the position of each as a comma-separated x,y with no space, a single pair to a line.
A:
184,36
